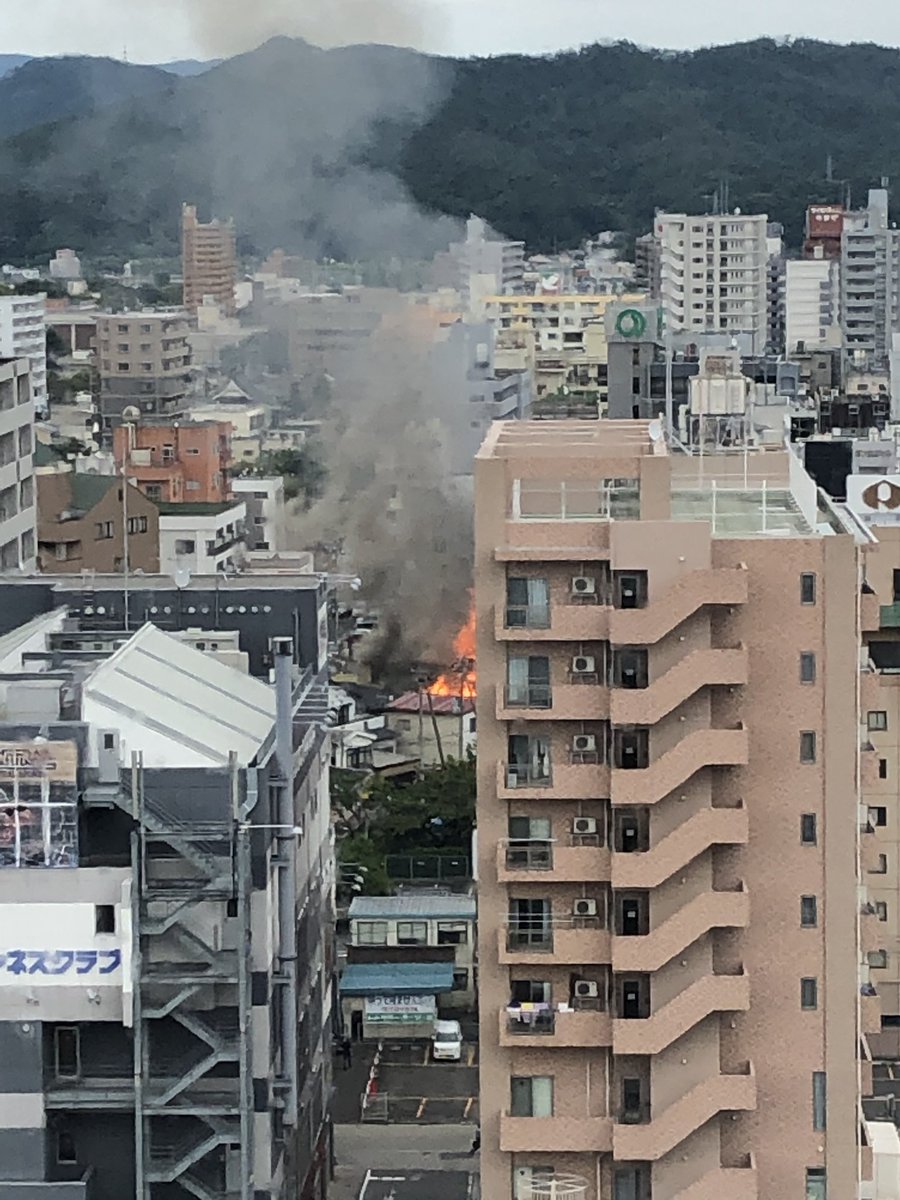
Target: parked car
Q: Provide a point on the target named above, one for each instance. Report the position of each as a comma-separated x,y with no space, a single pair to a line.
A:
446,1042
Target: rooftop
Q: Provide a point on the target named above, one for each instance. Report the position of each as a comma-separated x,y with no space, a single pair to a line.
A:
198,509
398,979
585,439
428,905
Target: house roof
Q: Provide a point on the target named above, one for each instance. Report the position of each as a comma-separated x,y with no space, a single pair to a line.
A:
442,706
231,391
398,979
428,905
177,705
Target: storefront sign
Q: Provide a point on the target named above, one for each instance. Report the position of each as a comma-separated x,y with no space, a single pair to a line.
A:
400,1009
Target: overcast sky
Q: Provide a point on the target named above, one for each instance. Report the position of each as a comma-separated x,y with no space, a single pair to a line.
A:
156,30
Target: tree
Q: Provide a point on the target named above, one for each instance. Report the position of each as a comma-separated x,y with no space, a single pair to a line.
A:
302,471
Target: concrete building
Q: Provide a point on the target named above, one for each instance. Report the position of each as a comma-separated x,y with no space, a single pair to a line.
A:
203,539
870,282
65,265
181,462
82,521
714,273
144,361
668,806
812,303
18,514
22,335
430,728
208,262
150,820
266,517
76,328
483,258
824,230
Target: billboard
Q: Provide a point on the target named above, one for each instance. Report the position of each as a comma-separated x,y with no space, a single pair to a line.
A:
38,804
54,945
874,498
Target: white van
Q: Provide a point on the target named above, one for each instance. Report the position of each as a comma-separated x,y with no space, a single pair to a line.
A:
446,1042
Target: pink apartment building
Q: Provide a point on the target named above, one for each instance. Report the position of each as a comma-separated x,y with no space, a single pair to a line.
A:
672,946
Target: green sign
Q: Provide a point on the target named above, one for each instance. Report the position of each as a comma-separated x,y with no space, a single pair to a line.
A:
631,323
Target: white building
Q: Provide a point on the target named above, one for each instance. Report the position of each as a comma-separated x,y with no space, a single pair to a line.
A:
17,493
264,499
812,303
870,281
714,274
66,266
482,258
201,538
23,335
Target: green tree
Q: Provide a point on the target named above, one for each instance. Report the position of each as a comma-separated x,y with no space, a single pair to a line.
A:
302,471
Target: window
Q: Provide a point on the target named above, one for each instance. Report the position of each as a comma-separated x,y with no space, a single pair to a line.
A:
105,918
878,815
808,829
527,603
877,958
881,869
819,1100
103,530
882,768
809,993
881,910
807,588
877,721
67,1051
815,1183
807,667
809,912
144,328
371,933
192,485
185,546
122,366
65,1148
193,450
137,524
807,746
531,1096
452,933
122,347
460,981
412,933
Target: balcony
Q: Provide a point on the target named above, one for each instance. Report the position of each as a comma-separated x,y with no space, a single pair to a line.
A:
702,748
890,616
690,593
709,827
872,930
570,781
735,1183
556,1030
702,668
664,1131
557,623
563,702
868,768
555,1135
870,851
551,862
576,940
869,1009
870,611
710,910
711,994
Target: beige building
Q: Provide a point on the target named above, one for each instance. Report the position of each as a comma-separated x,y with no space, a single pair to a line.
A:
144,361
672,935
208,262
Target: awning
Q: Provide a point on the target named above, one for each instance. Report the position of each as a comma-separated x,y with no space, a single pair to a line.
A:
396,979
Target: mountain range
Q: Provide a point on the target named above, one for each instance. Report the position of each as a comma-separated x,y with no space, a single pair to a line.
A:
361,150
186,66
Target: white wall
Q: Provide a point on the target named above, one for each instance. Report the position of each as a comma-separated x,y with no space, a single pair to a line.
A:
200,530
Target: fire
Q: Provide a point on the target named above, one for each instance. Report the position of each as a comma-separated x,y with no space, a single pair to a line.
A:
461,679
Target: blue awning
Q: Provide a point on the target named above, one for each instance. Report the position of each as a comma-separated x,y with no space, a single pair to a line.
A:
396,979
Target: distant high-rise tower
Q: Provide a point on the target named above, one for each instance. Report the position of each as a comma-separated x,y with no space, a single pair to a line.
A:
208,261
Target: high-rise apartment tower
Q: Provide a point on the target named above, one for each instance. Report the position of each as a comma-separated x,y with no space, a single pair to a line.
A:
208,261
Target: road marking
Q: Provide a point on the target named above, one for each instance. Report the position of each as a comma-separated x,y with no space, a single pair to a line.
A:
421,1108
425,1059
471,1056
365,1184
469,1103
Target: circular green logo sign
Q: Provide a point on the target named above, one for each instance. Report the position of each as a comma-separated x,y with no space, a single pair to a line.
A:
631,323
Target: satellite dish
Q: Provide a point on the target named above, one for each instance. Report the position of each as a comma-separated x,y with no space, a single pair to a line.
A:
655,430
182,578
131,413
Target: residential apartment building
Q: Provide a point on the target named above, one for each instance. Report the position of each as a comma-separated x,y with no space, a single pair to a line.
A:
144,362
150,821
484,263
23,335
209,262
714,274
265,524
202,539
870,282
178,462
812,303
667,810
18,514
82,524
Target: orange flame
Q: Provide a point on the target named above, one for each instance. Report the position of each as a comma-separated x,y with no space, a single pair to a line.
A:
461,680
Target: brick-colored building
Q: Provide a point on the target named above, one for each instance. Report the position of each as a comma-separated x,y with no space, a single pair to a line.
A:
208,261
673,939
81,525
179,462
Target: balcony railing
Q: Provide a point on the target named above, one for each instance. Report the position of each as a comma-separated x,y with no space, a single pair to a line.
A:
557,863
527,616
579,940
527,775
556,1029
530,695
526,855
555,1135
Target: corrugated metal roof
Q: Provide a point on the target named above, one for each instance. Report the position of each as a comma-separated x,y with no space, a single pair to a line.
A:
179,706
396,979
443,706
453,907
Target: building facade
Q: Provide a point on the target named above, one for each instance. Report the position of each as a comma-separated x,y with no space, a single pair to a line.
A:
667,808
202,538
714,274
18,513
870,282
83,521
208,262
144,362
23,335
178,462
812,303
265,524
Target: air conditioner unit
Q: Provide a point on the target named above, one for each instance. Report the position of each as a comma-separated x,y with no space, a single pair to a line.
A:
584,825
584,743
584,585
583,664
586,989
586,907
